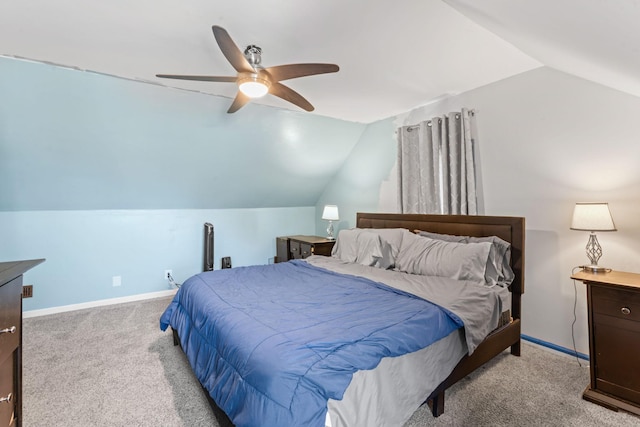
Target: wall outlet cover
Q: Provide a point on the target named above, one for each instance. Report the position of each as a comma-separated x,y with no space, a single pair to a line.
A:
27,291
226,262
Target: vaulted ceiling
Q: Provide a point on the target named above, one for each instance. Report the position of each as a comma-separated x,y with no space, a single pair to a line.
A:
393,56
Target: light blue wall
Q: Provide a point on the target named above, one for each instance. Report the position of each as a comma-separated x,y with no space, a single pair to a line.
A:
79,140
356,186
110,177
85,249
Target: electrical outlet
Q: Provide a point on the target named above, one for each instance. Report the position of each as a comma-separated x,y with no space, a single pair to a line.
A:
226,262
116,281
27,291
167,274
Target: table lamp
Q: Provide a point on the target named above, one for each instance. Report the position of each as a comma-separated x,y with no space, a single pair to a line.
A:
330,213
593,217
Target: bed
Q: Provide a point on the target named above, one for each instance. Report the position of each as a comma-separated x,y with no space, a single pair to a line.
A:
342,351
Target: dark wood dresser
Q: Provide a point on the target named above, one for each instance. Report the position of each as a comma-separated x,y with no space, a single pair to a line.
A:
300,247
613,301
11,340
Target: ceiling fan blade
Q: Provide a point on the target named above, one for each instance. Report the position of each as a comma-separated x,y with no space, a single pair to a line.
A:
292,71
199,78
288,94
229,49
240,101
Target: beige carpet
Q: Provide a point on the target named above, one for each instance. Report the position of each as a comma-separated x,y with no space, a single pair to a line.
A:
112,366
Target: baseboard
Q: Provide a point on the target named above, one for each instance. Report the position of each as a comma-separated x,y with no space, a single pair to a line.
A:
555,347
98,303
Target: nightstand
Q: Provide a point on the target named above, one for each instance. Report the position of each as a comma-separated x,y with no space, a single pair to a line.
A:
613,301
300,247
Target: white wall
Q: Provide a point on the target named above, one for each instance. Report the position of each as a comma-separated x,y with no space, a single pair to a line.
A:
548,140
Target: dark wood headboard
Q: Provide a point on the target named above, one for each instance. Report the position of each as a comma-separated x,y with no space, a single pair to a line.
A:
507,228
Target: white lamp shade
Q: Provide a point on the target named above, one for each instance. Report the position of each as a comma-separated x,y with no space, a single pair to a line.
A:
592,217
330,213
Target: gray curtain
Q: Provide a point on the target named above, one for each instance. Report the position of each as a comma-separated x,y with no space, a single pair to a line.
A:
436,166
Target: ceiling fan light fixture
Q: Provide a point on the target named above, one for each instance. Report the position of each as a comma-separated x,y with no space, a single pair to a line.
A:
254,86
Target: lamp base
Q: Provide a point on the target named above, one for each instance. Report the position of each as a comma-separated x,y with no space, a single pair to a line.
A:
330,231
595,269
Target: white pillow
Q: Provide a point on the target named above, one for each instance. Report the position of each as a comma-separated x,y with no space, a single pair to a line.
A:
431,257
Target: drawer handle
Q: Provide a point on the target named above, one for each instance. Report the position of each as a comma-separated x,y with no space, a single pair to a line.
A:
6,399
11,330
625,310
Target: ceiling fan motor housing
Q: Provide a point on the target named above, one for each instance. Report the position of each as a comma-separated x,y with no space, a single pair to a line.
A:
253,54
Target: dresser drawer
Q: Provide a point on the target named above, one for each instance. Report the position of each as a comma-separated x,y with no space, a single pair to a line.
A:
7,384
10,352
295,251
10,306
616,302
306,250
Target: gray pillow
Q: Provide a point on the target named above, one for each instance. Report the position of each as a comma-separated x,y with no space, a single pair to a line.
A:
500,258
346,246
393,236
432,257
445,237
362,247
498,269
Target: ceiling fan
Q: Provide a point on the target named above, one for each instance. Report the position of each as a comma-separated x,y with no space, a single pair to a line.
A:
252,79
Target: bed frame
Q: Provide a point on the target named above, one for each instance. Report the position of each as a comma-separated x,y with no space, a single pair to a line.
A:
511,229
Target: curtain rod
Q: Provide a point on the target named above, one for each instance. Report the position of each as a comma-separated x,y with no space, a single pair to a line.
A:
410,128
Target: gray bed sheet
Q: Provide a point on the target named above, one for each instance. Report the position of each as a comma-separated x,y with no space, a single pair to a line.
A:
388,395
478,306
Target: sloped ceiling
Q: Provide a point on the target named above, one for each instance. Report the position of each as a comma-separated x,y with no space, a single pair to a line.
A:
598,40
393,56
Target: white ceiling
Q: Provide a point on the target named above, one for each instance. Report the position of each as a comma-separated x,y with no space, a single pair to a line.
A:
393,55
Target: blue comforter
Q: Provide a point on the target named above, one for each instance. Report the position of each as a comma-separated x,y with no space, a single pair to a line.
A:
273,343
